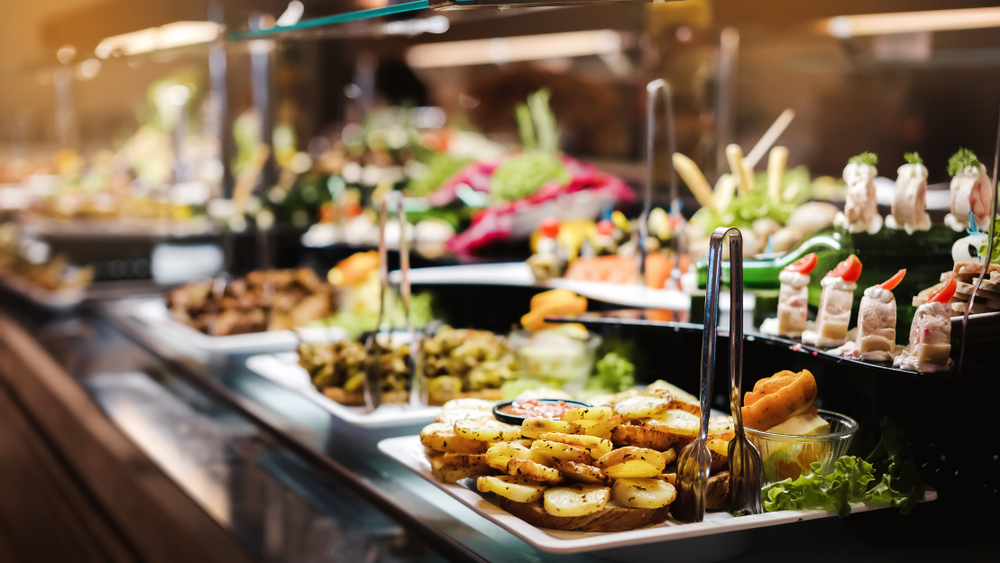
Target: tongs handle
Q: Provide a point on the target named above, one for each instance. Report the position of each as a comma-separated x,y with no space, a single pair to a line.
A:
418,383
373,376
652,90
712,316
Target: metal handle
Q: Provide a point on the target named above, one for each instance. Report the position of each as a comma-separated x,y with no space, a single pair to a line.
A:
372,390
418,384
712,315
652,89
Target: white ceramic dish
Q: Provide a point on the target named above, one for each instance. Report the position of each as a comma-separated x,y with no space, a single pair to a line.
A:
408,451
154,314
62,300
284,369
519,274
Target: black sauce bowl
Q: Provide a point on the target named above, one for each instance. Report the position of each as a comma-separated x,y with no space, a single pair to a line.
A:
517,419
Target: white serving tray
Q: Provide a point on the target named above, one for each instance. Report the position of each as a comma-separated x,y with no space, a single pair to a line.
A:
62,300
155,315
284,369
519,274
408,451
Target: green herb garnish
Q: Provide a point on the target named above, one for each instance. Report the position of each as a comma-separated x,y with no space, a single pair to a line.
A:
890,466
523,174
868,158
961,160
614,374
913,158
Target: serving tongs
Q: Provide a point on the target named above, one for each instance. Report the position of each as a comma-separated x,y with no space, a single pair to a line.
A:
373,350
744,459
652,90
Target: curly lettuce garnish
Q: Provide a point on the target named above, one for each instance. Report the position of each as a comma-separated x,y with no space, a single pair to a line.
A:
868,158
890,466
913,158
523,174
614,374
961,160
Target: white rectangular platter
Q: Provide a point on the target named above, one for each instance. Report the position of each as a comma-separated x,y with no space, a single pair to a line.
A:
519,274
284,369
154,314
408,451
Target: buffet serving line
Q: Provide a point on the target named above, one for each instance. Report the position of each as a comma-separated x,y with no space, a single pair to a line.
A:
270,447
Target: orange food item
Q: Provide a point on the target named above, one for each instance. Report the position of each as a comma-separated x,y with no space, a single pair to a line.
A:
777,398
849,270
892,282
658,268
552,303
803,265
944,294
612,269
354,269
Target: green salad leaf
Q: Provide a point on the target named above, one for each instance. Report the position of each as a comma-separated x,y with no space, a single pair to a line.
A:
869,158
358,322
913,158
439,167
744,209
514,387
523,174
613,374
890,466
961,160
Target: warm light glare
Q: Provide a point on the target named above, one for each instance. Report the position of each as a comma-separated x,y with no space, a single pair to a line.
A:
172,35
509,49
910,22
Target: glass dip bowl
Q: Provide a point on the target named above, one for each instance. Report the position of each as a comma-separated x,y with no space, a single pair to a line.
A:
787,456
560,358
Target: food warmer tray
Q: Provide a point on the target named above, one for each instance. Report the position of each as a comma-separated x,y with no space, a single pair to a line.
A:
408,451
284,369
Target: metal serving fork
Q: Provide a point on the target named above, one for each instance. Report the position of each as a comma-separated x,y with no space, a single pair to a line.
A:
695,459
745,465
373,352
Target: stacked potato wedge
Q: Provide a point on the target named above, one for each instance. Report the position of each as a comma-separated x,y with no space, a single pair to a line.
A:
603,468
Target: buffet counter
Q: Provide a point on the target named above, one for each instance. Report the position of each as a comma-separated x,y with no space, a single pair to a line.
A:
200,460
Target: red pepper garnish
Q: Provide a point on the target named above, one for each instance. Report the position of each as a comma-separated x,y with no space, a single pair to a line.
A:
605,227
803,265
944,294
892,282
549,227
849,270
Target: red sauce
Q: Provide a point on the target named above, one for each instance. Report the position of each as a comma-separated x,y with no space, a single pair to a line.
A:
534,408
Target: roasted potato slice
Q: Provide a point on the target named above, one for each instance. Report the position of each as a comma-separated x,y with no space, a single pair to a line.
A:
441,437
516,489
487,431
720,453
600,428
633,469
456,415
622,455
642,406
573,471
681,423
450,470
642,493
594,445
560,450
535,427
670,455
721,427
587,413
576,500
463,460
645,435
533,471
669,478
499,454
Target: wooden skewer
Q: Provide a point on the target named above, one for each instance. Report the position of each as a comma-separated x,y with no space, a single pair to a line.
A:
770,137
695,180
777,161
740,171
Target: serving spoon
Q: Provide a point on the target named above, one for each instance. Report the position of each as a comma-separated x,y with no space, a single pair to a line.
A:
695,459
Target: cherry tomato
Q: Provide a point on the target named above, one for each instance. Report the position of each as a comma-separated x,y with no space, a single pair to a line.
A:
803,265
549,227
352,209
944,294
327,213
892,282
605,227
849,270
